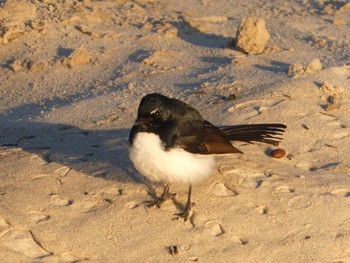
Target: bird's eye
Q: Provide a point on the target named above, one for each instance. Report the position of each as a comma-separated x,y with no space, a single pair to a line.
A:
155,113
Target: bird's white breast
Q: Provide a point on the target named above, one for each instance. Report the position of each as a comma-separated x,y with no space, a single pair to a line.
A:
172,165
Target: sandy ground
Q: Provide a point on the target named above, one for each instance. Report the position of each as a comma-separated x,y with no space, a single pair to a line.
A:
72,74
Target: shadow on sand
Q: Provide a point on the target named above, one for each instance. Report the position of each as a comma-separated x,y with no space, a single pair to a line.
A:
99,153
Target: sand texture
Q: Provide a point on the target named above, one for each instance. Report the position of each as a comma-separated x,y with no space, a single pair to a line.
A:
72,74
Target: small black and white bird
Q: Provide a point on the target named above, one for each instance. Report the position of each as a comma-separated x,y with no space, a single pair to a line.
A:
171,142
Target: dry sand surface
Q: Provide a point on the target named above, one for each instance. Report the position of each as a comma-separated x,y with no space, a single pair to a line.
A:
72,74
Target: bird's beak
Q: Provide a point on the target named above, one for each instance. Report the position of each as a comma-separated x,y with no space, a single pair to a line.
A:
140,121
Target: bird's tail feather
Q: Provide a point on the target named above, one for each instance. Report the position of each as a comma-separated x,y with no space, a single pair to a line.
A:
266,132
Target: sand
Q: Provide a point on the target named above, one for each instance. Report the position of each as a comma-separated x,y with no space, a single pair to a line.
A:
72,74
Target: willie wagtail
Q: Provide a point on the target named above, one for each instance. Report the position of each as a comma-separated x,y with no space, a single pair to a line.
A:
171,142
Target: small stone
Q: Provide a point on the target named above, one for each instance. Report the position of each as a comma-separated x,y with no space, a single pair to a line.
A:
60,201
8,35
237,240
231,97
79,56
284,189
278,153
132,205
219,189
34,66
214,228
295,69
261,210
16,65
252,36
193,258
314,66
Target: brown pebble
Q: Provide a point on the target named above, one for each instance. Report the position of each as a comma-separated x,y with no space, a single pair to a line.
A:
278,153
231,97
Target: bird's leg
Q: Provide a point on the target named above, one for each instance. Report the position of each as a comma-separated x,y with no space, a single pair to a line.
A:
160,200
186,212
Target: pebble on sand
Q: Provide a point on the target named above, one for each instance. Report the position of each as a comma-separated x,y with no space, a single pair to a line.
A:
214,228
60,201
278,153
252,36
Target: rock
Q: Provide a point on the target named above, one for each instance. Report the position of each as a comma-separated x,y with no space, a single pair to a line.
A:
10,34
284,189
80,56
219,189
16,66
17,12
214,228
131,205
314,66
328,88
252,36
278,153
237,240
60,201
14,15
295,69
34,66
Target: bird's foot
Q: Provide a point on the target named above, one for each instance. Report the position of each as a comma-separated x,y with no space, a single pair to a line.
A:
166,195
185,214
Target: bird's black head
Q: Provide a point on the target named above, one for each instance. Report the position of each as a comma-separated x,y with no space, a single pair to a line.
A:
157,112
154,110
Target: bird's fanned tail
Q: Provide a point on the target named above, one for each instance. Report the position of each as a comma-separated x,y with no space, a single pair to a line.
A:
266,132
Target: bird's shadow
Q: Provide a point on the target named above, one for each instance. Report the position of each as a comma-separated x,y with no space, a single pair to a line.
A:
99,153
95,152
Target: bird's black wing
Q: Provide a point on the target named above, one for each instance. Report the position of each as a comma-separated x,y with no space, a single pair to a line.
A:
197,136
265,132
